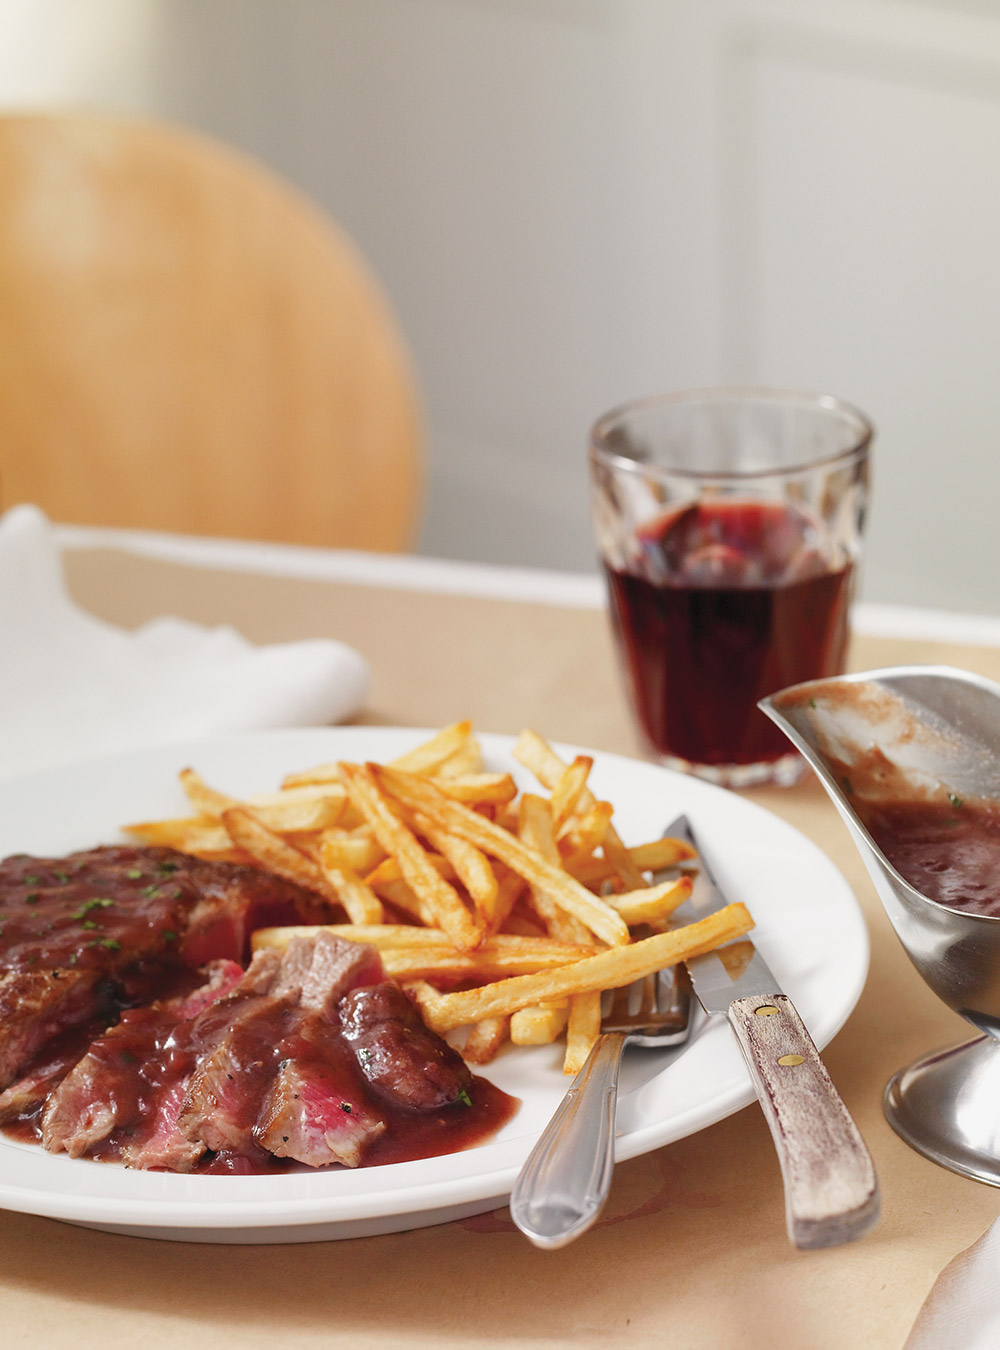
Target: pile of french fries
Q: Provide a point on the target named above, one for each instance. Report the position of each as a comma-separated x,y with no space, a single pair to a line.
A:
502,913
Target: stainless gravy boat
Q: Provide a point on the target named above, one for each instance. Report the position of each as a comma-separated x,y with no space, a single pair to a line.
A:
939,727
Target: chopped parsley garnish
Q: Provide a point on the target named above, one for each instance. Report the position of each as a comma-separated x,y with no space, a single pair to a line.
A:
152,890
134,875
464,1098
89,924
168,935
62,877
955,801
847,785
32,898
111,944
812,703
167,866
88,905
33,881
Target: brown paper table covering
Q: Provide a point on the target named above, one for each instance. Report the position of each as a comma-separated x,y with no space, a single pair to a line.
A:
691,1250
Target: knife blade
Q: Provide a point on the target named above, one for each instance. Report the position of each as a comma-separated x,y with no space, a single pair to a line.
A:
831,1190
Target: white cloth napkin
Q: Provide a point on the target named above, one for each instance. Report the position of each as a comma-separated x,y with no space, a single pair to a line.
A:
962,1311
72,686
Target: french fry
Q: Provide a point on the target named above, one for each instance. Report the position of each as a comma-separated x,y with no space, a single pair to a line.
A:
540,1024
582,1029
469,864
271,852
404,899
467,759
651,903
312,807
535,753
568,790
362,904
191,834
432,754
484,965
412,791
651,857
477,788
608,970
321,773
485,1039
438,895
400,935
357,850
537,829
510,888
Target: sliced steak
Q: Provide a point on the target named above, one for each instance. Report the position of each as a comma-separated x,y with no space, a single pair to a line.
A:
36,1005
319,970
404,1062
316,1115
117,1081
277,1024
160,1143
86,935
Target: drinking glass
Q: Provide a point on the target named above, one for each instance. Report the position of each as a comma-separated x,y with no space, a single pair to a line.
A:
729,524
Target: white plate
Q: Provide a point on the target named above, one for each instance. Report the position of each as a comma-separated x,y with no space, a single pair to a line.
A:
809,929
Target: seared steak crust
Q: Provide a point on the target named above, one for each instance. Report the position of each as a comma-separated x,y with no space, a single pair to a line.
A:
83,936
404,1062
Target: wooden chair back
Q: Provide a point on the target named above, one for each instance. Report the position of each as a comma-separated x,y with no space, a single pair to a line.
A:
187,344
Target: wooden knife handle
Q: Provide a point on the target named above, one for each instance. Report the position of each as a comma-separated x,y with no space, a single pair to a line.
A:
831,1191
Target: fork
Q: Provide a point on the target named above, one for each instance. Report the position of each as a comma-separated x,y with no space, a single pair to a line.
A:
565,1182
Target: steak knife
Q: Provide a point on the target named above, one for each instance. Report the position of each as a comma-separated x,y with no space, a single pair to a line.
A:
831,1190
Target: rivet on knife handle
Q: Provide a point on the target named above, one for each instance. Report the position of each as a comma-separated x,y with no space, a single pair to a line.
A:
831,1192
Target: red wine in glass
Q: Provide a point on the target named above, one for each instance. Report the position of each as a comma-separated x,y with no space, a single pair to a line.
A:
719,604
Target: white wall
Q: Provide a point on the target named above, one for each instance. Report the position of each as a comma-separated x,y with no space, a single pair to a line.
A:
572,202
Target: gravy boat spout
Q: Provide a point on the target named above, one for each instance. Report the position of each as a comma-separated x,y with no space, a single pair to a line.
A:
927,737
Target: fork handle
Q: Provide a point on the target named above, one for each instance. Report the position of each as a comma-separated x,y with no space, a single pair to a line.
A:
831,1191
565,1182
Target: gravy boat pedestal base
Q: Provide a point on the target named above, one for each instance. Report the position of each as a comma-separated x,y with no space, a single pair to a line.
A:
947,1106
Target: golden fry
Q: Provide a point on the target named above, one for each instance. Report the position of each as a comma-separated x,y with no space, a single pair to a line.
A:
539,1024
295,810
362,904
485,1039
477,787
608,970
582,1029
429,756
190,834
535,753
600,918
272,853
651,903
568,790
419,873
536,829
469,864
651,857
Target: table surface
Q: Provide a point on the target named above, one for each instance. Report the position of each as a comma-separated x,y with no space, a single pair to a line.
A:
691,1250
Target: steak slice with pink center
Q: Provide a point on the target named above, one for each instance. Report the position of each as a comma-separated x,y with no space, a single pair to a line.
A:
312,1115
116,1082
